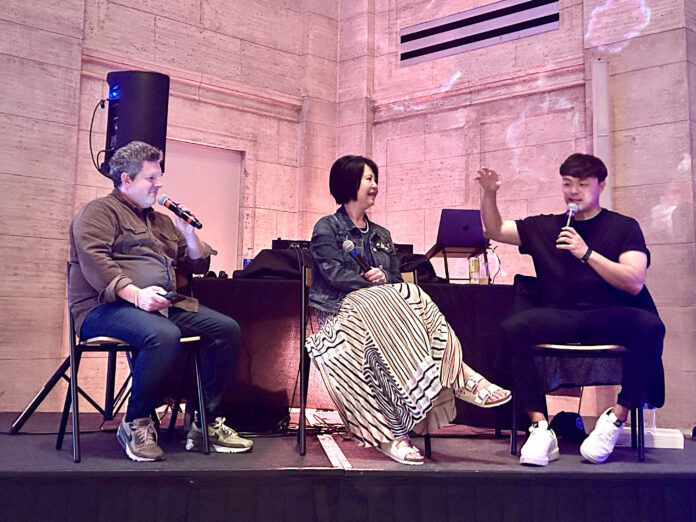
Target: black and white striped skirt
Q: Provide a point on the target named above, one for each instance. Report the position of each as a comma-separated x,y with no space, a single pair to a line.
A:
389,361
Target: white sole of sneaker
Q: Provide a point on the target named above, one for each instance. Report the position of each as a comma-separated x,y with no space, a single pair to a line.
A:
530,461
225,449
191,446
132,455
591,459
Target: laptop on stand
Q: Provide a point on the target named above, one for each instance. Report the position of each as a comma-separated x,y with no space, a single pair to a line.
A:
460,234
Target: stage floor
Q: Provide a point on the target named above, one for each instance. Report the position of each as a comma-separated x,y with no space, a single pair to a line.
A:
455,449
475,465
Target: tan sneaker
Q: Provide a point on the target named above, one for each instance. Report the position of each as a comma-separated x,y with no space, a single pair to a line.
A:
139,439
222,438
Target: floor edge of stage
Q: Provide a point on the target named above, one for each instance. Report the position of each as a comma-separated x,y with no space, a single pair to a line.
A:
470,478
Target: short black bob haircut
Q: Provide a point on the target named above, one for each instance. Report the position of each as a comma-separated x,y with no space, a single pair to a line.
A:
346,174
583,166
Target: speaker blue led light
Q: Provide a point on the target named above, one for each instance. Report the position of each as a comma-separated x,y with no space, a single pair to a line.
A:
114,91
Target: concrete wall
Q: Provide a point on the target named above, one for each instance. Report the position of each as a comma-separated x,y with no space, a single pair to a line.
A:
40,56
255,77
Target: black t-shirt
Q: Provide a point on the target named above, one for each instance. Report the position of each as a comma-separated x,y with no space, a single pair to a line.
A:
567,282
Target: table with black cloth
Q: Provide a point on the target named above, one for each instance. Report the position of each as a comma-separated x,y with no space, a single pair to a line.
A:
475,312
268,312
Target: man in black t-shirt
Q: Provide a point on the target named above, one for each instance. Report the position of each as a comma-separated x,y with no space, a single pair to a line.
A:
589,262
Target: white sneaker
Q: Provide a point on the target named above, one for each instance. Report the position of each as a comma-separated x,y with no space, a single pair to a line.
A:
600,443
541,446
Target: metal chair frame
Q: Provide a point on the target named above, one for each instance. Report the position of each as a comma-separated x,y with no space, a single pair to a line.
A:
306,280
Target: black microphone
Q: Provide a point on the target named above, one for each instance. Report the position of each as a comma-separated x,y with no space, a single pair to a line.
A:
572,209
175,207
349,247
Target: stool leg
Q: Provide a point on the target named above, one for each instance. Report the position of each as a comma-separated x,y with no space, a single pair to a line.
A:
304,381
641,435
172,419
201,402
428,448
179,390
110,386
513,432
75,399
304,366
63,420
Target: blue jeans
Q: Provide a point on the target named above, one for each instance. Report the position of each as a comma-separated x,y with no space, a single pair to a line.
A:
156,342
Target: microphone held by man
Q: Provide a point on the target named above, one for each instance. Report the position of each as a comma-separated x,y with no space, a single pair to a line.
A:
180,211
572,209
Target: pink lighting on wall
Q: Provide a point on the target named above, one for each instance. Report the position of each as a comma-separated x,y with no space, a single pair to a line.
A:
613,24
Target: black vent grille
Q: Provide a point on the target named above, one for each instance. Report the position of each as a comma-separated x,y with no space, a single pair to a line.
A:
480,27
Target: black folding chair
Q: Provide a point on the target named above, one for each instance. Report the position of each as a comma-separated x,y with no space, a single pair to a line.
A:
112,401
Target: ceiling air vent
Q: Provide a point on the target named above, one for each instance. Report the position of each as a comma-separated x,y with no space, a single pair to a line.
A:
480,27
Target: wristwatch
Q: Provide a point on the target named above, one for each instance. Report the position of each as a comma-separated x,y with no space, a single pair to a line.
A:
587,255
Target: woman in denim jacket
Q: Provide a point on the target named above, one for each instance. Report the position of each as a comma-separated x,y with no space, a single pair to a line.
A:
390,361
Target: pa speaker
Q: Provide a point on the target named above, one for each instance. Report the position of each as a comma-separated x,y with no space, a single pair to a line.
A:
138,103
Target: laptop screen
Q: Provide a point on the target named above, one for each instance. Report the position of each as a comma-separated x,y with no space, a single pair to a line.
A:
461,228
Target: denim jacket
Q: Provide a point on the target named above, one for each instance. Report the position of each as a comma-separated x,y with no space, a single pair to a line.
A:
335,272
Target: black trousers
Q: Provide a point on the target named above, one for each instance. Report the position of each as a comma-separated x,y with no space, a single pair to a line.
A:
640,331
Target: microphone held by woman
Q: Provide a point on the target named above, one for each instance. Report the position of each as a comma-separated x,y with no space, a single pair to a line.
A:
349,247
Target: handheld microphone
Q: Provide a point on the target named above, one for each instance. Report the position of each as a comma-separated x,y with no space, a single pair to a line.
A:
349,247
175,207
572,209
